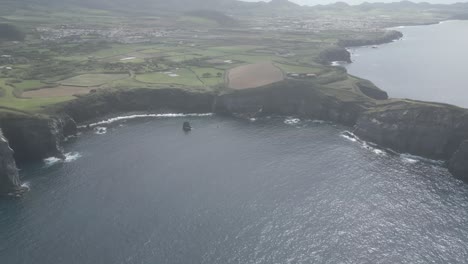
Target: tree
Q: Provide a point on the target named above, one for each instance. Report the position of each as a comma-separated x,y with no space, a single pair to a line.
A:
206,75
219,75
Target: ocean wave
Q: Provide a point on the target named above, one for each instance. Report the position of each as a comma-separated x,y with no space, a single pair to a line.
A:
292,121
337,63
366,145
349,136
316,121
121,118
412,159
100,130
26,186
52,161
68,157
72,156
405,157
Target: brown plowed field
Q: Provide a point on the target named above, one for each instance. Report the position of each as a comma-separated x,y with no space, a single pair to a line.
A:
253,75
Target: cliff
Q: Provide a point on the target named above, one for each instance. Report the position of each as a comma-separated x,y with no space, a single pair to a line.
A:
9,178
334,53
426,129
92,106
372,91
430,130
458,164
36,137
294,97
385,37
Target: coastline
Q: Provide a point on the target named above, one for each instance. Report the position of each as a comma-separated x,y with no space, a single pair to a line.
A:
430,130
396,124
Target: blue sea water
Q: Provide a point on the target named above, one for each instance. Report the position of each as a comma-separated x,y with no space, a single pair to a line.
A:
273,190
428,64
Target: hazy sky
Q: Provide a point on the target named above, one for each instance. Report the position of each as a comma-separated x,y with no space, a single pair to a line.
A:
316,2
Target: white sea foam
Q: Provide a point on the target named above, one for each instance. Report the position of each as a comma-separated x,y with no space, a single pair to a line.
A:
26,185
408,158
349,136
52,161
366,145
129,58
319,122
69,157
100,130
72,156
335,63
378,151
292,121
121,118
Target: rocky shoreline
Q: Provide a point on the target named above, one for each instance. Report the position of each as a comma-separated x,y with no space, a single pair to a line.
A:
436,131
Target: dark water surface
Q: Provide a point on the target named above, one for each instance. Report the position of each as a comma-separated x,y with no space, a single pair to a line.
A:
234,191
428,64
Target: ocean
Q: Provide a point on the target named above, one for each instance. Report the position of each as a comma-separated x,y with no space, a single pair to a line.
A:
428,64
269,190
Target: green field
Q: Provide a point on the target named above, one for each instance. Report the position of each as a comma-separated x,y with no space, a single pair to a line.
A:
88,80
193,48
8,100
29,85
184,77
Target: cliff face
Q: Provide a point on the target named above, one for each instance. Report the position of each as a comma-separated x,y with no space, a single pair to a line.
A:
334,54
9,179
426,129
458,164
386,37
430,130
369,89
152,100
36,138
291,98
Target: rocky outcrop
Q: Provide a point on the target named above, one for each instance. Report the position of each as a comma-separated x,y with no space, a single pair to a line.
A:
458,164
36,137
429,130
369,89
9,178
334,53
293,97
